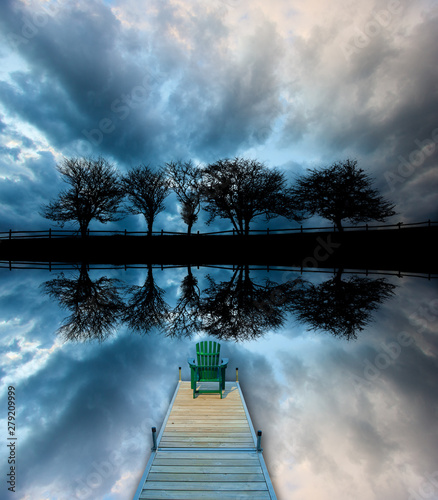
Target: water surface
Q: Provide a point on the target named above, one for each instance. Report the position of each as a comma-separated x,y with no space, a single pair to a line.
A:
339,371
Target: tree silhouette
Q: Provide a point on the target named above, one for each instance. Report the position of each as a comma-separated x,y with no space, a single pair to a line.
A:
184,319
340,307
185,180
96,305
240,309
146,191
341,192
242,189
95,193
145,308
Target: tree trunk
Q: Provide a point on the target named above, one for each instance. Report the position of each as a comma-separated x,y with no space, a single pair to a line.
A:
150,224
84,229
339,225
189,229
338,277
246,227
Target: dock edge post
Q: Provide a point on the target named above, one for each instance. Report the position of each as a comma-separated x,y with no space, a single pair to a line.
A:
237,374
259,441
154,439
179,376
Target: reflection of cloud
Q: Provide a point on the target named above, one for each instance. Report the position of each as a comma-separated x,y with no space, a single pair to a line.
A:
324,437
332,440
124,484
24,357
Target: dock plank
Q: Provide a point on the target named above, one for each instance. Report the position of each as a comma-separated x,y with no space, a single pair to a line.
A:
205,469
206,486
206,451
204,495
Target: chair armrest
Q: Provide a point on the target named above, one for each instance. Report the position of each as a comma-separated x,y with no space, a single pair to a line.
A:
192,362
224,362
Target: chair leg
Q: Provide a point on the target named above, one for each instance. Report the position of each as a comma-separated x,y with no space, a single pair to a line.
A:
223,378
192,378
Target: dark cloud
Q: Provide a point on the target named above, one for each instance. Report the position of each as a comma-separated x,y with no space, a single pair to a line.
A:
164,80
92,86
171,82
22,195
87,402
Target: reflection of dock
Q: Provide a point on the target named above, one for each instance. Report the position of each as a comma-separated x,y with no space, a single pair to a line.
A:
206,449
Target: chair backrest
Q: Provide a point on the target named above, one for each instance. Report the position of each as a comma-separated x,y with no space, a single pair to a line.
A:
208,357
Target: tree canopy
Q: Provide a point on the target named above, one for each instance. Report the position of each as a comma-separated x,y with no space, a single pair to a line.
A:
238,189
146,191
185,180
340,307
95,193
96,306
242,189
342,191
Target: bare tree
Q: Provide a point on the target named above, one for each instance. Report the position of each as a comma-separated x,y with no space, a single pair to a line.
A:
95,193
242,189
185,180
240,309
184,319
146,307
96,306
341,192
340,307
146,191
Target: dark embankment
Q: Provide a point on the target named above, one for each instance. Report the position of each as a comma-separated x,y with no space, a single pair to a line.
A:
406,250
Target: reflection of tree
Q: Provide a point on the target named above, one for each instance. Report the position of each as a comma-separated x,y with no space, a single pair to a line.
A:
96,305
340,307
237,309
146,308
240,309
184,318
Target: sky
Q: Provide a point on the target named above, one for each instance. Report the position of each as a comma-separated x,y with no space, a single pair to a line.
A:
294,84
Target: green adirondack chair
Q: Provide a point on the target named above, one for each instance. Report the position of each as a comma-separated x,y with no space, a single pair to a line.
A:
208,367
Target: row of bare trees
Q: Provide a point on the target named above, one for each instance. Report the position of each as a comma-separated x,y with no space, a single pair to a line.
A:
237,308
238,190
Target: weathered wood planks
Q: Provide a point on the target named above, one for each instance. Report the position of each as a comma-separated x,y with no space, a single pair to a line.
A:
206,451
207,421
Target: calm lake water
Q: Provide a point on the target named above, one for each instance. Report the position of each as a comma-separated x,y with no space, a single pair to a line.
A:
339,371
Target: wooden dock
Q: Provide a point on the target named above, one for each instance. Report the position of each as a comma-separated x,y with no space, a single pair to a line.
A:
206,449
